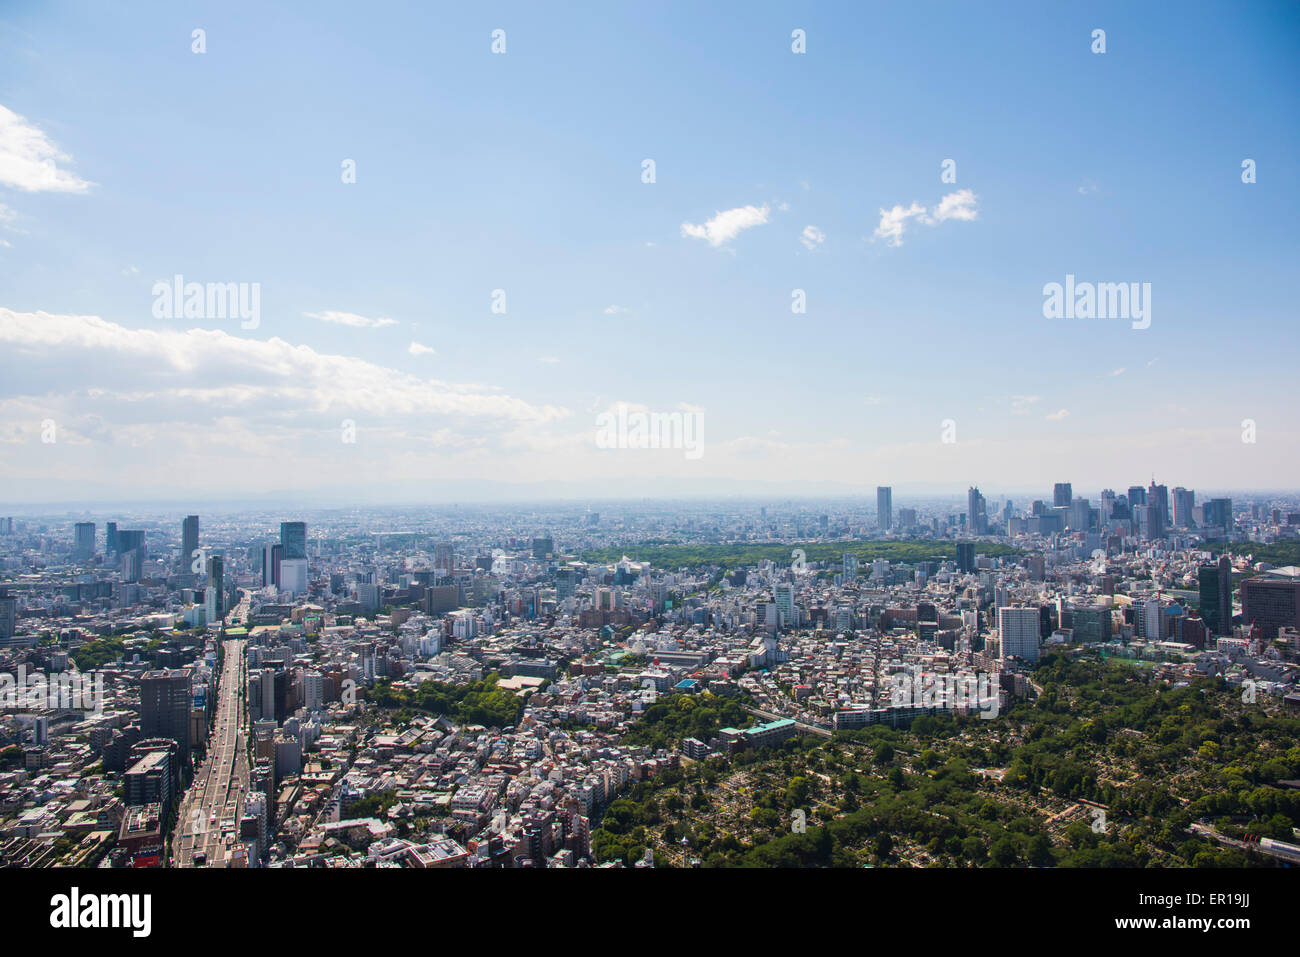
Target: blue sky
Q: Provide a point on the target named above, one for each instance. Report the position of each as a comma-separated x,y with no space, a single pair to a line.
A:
522,172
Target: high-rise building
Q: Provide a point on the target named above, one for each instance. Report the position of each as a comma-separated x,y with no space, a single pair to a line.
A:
189,542
272,555
966,557
293,536
83,540
1018,633
543,547
1271,601
1184,502
1080,515
977,512
1137,495
1158,497
785,605
1218,513
1062,495
850,564
884,507
110,543
8,615
165,707
444,560
566,580
1215,581
217,580
293,576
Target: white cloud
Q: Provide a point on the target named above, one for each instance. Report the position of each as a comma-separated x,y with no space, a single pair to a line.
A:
1057,416
894,221
29,161
419,349
616,310
812,237
152,370
962,205
1120,371
350,319
550,360
725,226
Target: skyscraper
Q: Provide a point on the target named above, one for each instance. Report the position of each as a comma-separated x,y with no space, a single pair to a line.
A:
189,542
217,580
1184,502
272,554
293,536
884,507
110,543
784,595
1215,582
1018,633
966,557
976,511
444,560
1062,495
83,540
165,707
1158,497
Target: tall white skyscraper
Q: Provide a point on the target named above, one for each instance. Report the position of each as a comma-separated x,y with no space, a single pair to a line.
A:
884,507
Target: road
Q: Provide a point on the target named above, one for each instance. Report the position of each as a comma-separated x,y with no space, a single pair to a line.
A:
214,805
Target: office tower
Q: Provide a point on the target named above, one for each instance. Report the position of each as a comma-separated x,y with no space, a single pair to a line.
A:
444,560
293,536
293,576
1184,502
884,507
1158,496
130,540
110,544
1107,506
566,580
272,555
217,580
165,707
8,615
1137,495
1215,581
977,512
850,563
966,557
83,540
543,548
1062,495
785,605
1080,515
189,542
1218,513
368,597
1270,601
313,690
907,517
1018,633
